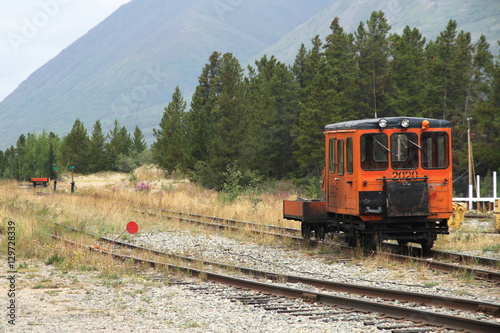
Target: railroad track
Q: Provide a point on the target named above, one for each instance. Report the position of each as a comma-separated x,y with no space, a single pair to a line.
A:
311,311
345,302
413,254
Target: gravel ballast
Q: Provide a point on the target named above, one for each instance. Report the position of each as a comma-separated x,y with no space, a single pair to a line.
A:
49,299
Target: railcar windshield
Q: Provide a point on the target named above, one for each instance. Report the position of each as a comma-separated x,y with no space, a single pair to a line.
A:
435,153
374,149
404,151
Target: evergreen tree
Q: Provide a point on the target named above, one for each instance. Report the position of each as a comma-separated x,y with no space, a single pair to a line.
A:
299,66
228,116
119,143
273,100
483,107
199,120
75,148
19,162
97,157
340,60
169,150
372,47
3,163
406,81
10,163
308,129
441,56
138,142
215,120
52,157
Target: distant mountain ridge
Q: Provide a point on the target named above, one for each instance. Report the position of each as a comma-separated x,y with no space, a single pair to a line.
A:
128,66
428,16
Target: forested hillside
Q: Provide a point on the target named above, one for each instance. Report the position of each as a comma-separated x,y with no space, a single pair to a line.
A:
268,124
127,67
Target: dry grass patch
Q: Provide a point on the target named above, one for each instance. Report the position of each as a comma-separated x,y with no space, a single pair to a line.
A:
463,241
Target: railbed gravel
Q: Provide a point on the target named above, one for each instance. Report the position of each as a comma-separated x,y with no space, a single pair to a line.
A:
285,260
49,299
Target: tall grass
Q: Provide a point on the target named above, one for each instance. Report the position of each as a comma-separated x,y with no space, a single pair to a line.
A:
105,210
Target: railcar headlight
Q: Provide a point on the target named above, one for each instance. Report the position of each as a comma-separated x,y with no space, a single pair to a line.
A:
382,123
405,123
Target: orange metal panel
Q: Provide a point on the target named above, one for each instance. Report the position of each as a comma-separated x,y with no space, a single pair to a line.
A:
308,211
292,209
39,179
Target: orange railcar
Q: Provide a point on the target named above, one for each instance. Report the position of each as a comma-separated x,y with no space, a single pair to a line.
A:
386,178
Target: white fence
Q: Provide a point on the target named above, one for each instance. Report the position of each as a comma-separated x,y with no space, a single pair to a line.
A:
477,198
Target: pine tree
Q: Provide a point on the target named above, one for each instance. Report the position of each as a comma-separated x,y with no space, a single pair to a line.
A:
372,47
483,107
119,144
199,120
138,141
298,67
228,116
441,55
406,81
52,157
340,57
273,97
215,120
75,148
169,149
3,163
97,158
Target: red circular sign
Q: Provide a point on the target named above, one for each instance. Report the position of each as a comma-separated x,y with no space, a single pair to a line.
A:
132,227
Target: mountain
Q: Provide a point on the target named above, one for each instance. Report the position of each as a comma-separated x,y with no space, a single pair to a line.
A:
429,16
128,66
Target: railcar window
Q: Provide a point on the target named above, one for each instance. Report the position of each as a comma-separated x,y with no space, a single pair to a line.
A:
340,152
332,155
349,162
404,151
374,149
435,154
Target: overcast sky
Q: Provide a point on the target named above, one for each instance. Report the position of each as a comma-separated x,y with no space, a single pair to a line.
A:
34,31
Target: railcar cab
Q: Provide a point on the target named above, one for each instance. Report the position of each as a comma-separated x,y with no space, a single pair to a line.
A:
388,178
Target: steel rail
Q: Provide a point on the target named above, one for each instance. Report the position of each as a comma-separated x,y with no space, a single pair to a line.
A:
481,274
415,315
453,256
415,251
387,294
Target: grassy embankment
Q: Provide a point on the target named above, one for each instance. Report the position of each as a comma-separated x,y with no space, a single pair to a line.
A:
104,207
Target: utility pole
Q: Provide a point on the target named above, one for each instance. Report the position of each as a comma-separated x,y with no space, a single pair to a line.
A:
469,159
374,88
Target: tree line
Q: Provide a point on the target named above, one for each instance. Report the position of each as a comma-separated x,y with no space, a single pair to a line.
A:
46,155
267,122
270,122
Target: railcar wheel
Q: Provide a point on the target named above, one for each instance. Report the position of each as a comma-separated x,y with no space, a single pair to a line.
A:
320,232
370,242
351,238
427,245
306,230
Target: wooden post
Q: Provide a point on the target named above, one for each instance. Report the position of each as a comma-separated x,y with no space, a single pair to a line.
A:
497,215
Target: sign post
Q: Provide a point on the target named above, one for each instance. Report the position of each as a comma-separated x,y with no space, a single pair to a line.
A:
132,228
55,178
72,168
